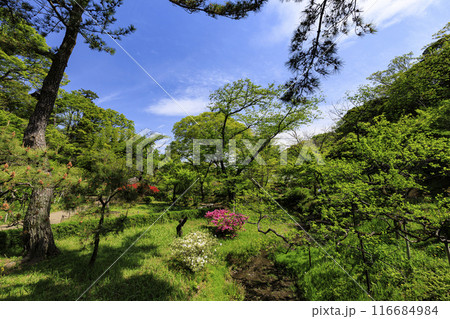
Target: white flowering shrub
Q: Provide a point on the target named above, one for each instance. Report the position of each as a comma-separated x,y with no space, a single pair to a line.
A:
194,251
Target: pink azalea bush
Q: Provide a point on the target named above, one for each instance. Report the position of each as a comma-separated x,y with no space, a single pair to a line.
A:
226,223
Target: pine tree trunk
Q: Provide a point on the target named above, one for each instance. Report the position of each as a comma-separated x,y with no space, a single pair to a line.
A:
39,241
34,135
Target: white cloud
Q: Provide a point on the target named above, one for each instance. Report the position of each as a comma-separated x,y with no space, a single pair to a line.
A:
109,97
387,12
180,106
118,94
208,79
192,95
284,17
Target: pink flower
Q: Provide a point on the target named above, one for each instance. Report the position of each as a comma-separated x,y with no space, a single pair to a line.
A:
225,222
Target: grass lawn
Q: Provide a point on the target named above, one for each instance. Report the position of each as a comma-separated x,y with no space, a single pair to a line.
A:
145,272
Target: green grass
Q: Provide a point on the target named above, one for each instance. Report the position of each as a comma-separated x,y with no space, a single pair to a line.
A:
143,273
393,277
146,271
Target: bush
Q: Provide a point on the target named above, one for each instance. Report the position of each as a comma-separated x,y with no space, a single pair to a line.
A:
194,251
11,242
226,223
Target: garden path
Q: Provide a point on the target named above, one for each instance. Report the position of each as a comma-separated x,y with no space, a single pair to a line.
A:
55,218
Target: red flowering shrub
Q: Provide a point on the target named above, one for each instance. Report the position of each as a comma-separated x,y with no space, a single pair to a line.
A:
131,192
226,223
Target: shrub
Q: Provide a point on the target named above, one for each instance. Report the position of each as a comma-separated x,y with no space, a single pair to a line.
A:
131,192
226,223
194,251
11,242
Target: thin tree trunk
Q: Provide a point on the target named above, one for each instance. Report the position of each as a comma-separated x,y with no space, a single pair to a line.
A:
309,255
97,238
202,192
447,250
361,245
174,195
366,271
397,229
408,249
40,240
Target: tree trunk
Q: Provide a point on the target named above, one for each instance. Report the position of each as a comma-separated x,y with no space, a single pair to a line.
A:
447,250
174,195
366,264
309,256
39,242
34,135
408,250
97,238
361,246
202,191
180,226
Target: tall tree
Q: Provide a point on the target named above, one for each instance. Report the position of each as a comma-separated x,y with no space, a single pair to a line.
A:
47,17
243,115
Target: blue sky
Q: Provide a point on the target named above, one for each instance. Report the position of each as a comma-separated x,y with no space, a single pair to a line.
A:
190,55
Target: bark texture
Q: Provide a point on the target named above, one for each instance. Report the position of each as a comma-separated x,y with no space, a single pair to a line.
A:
34,135
39,242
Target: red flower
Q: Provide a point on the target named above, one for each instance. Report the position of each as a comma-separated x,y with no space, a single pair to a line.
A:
154,189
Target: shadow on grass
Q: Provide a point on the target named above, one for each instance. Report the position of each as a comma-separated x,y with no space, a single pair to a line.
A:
68,275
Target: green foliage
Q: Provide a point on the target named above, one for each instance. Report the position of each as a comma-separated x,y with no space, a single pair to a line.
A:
12,123
408,85
24,169
83,125
234,10
11,242
380,203
244,120
24,62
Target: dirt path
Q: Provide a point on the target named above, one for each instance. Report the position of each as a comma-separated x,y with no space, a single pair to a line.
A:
55,218
262,280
